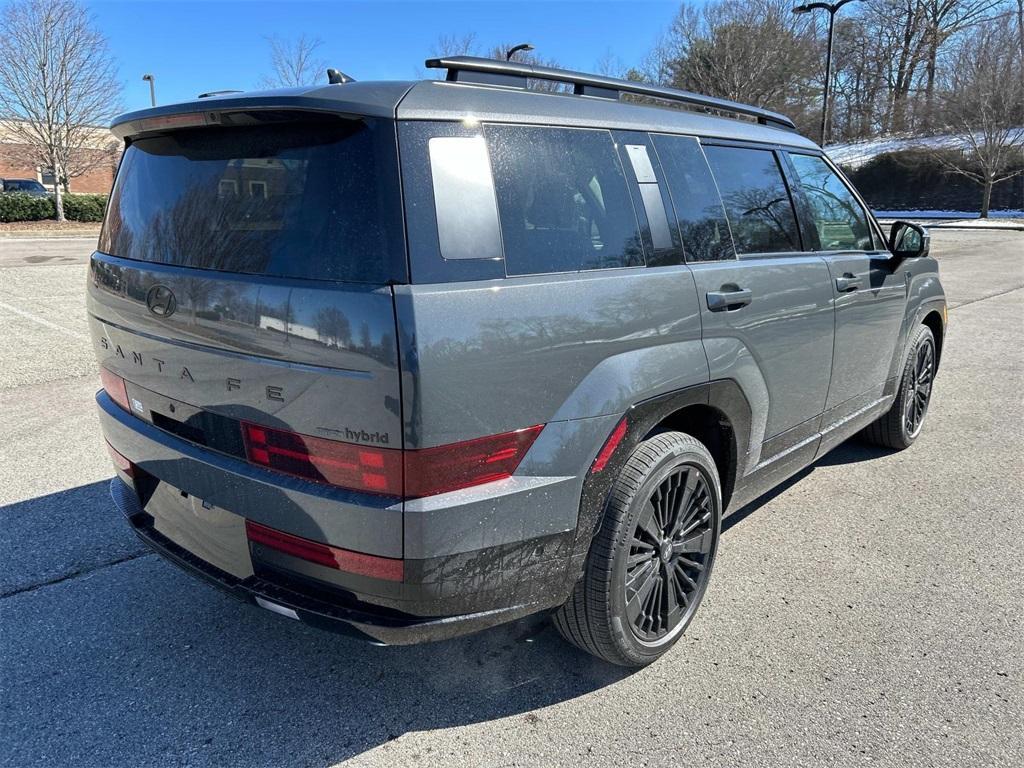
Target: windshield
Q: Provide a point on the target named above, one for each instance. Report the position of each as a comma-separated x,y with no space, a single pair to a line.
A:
304,200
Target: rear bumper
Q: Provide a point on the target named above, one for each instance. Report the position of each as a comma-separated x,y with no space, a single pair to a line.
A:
291,600
440,597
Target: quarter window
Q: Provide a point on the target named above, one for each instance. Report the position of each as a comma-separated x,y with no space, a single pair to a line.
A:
562,200
756,199
839,220
467,220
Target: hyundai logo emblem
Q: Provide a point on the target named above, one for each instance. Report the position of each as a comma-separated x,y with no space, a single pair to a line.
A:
161,301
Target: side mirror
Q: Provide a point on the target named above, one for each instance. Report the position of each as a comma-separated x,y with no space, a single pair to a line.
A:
908,241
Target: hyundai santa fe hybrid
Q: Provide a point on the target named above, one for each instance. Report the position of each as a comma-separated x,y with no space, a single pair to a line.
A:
409,360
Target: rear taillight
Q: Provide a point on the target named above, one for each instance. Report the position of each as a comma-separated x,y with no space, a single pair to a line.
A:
114,386
426,472
461,465
121,461
330,557
362,468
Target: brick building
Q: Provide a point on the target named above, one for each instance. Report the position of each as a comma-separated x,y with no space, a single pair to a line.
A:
16,162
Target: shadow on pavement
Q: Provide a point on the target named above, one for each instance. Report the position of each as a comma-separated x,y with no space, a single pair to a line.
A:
851,452
54,537
139,664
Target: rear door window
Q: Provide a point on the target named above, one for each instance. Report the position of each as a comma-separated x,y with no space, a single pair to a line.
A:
756,199
699,212
839,221
562,200
316,200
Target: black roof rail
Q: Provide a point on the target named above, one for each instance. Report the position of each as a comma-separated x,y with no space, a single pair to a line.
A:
472,69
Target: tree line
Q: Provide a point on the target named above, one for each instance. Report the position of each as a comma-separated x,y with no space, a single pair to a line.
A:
905,67
896,62
916,68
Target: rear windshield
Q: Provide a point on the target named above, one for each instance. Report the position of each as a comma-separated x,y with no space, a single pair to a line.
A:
303,200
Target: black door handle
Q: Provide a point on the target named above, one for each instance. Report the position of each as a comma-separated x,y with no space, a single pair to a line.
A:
726,300
848,282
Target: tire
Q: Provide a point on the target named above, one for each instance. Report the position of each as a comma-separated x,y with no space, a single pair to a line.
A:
633,625
902,423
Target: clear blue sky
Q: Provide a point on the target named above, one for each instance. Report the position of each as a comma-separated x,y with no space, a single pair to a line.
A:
193,47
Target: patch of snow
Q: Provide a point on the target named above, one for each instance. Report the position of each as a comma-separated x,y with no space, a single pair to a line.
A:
1017,223
919,214
856,153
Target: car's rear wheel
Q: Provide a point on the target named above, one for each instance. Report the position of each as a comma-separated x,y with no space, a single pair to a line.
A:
649,564
902,423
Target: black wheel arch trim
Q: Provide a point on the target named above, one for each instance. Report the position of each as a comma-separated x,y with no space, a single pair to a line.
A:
723,395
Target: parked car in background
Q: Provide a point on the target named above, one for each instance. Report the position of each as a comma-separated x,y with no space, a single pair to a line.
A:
24,186
409,360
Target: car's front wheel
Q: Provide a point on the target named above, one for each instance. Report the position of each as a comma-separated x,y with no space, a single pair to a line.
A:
649,564
902,423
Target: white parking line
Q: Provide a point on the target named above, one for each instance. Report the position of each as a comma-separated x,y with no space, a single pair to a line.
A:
42,321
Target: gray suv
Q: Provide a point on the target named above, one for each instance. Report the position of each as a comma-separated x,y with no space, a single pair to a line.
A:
409,360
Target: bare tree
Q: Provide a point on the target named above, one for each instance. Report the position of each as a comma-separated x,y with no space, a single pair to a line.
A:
610,65
58,84
294,62
984,110
1020,31
734,50
943,20
755,52
457,45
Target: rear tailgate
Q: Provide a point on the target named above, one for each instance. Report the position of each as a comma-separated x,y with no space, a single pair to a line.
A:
244,277
320,361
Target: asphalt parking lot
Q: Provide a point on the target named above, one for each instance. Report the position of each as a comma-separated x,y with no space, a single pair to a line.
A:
870,612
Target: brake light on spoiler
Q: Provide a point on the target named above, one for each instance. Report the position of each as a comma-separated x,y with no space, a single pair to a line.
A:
387,471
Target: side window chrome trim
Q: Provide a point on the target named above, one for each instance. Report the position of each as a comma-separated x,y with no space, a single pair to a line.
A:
464,199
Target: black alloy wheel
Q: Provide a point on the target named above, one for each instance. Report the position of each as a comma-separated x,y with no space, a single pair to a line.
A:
668,556
919,389
901,425
650,562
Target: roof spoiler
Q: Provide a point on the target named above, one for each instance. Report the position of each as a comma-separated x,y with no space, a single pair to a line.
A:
239,109
472,69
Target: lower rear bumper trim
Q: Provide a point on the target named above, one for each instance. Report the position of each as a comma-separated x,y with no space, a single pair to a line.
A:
379,630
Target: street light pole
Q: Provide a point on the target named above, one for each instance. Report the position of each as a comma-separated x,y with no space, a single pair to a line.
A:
516,49
152,89
832,8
